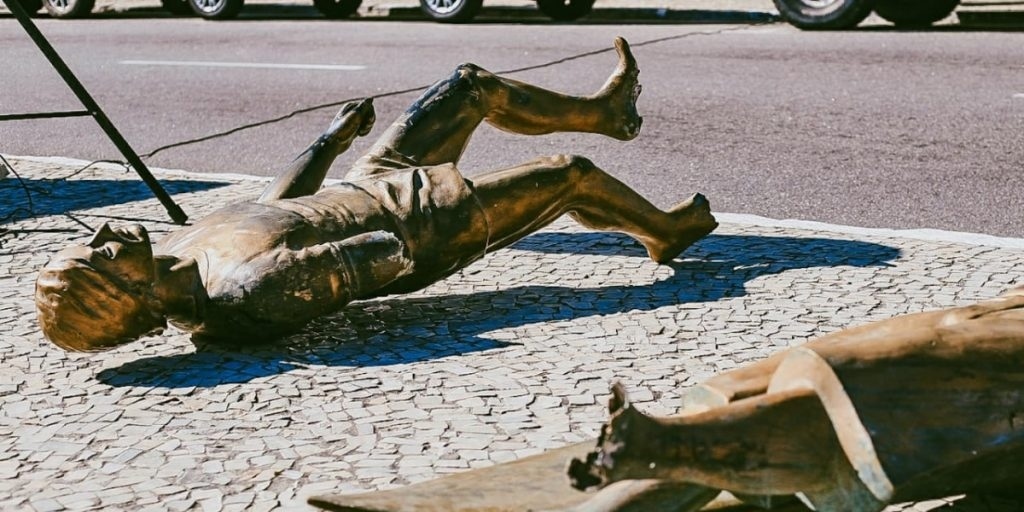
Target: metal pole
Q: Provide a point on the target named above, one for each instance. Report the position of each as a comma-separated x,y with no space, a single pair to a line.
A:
97,113
44,115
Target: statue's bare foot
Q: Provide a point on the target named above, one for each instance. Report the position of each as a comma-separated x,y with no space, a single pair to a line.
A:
622,90
355,119
693,220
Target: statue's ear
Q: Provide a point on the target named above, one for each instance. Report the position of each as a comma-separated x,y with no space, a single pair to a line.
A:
179,289
167,264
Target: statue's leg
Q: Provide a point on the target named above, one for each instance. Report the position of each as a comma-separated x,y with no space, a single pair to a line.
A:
772,444
802,435
521,200
306,173
437,127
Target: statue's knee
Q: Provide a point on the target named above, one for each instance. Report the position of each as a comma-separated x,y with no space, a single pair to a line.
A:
469,74
468,68
578,166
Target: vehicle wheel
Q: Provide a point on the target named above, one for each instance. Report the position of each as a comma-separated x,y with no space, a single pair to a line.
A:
179,7
824,14
451,11
337,8
565,10
915,13
69,8
216,9
32,6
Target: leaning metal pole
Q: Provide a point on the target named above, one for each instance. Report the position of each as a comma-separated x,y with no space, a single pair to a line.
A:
94,109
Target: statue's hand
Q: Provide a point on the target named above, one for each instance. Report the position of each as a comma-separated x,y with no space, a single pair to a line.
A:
365,108
355,119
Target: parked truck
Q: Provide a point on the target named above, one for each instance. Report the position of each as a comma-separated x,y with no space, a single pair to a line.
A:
805,14
841,14
447,11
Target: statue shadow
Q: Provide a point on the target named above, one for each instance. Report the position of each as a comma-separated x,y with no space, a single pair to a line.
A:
54,197
402,329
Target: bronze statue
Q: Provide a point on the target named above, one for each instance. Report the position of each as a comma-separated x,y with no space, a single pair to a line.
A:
403,218
912,408
916,407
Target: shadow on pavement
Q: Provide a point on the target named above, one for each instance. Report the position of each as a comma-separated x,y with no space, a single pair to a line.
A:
55,197
401,330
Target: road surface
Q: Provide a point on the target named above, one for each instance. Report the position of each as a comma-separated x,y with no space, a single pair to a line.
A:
871,127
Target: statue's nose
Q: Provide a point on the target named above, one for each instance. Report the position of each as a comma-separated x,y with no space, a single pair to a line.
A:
133,232
102,235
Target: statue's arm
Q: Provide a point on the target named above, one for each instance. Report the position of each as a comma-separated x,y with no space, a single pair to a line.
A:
306,173
321,278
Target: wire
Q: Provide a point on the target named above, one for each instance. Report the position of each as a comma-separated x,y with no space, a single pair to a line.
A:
632,45
276,120
78,171
421,87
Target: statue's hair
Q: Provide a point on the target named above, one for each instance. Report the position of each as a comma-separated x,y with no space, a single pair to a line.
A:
85,310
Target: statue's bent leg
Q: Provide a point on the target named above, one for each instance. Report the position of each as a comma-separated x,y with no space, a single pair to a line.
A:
437,127
523,199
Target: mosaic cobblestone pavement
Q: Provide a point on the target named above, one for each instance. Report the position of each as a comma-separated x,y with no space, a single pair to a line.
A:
508,358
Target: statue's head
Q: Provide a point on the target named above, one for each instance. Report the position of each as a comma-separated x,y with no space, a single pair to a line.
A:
99,295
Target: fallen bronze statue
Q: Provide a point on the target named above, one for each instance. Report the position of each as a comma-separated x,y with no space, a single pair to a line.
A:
403,218
916,407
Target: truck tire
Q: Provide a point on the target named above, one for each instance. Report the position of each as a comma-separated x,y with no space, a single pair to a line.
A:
178,7
824,14
32,6
216,9
565,10
69,8
914,13
337,8
451,11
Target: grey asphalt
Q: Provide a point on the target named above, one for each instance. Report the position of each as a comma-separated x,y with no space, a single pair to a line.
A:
870,127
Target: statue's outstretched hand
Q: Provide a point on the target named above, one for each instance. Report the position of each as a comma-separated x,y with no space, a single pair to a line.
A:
355,119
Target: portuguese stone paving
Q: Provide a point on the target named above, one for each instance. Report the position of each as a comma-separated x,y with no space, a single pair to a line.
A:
510,357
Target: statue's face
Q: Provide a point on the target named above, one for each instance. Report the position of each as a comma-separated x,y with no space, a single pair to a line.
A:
99,295
124,253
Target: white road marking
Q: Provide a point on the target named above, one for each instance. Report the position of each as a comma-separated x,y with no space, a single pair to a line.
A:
258,65
1019,95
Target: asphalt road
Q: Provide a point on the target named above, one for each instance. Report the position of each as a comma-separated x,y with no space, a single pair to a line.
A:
872,127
